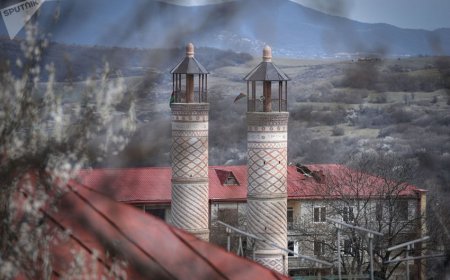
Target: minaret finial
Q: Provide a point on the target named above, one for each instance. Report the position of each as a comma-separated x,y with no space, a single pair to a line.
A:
267,54
190,50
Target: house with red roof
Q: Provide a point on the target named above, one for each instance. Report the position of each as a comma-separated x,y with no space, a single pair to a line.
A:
315,192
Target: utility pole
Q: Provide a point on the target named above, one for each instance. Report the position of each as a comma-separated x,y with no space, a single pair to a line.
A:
339,250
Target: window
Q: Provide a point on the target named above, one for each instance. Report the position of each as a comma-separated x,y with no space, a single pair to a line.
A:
348,215
226,177
401,208
228,215
379,211
319,248
348,248
290,247
157,212
290,217
140,207
231,180
244,246
320,214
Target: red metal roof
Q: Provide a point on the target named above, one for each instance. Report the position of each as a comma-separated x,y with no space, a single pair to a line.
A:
219,191
133,185
152,248
153,184
345,182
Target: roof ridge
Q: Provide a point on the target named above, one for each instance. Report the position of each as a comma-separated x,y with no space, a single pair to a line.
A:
125,168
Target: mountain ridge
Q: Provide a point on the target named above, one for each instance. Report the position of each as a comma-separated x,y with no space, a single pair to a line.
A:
291,29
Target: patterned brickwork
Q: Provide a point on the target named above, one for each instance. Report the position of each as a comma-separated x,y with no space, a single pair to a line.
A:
192,112
190,210
267,154
267,120
267,172
275,262
181,133
189,157
267,186
267,219
190,168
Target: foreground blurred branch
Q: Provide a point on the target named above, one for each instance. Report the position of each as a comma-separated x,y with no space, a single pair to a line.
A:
44,140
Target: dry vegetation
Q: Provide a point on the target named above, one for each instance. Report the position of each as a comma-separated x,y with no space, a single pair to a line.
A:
330,115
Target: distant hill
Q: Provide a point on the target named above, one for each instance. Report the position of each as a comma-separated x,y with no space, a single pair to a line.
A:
76,63
291,29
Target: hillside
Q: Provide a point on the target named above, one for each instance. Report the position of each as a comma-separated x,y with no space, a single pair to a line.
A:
76,63
292,30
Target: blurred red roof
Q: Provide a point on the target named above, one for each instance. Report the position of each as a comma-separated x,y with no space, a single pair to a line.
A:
152,248
153,184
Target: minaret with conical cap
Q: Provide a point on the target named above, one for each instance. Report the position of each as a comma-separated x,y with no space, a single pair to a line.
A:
267,124
190,109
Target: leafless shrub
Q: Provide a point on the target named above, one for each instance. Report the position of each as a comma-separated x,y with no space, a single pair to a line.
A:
379,98
313,116
363,75
337,131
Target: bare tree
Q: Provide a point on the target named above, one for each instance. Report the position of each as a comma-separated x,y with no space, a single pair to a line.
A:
370,191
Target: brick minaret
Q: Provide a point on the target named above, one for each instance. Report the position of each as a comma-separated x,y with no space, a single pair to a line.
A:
190,146
267,124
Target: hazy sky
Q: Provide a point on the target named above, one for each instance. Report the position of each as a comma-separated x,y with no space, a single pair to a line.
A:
422,14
